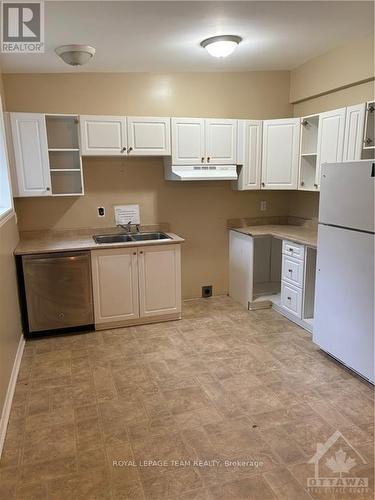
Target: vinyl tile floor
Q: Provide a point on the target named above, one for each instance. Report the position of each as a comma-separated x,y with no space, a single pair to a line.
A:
224,404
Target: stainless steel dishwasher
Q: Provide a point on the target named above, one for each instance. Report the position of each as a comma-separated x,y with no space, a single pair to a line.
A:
58,291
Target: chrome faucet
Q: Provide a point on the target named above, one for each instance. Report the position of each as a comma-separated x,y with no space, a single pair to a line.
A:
128,227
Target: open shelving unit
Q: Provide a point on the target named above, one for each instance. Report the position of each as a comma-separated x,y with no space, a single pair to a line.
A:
64,154
368,150
308,153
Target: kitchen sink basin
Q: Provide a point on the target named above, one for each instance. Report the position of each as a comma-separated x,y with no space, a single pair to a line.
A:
150,236
124,238
111,238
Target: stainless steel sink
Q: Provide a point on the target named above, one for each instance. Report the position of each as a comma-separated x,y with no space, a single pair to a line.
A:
103,239
150,236
111,238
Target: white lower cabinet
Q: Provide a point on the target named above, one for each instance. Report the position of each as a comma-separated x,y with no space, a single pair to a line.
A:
291,298
115,285
159,280
135,285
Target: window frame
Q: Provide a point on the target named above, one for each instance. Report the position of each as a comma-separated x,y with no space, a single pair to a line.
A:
6,209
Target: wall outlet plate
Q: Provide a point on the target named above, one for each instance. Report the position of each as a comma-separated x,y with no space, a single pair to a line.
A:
207,291
101,212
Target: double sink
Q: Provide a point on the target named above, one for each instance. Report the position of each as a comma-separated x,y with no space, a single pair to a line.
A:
106,239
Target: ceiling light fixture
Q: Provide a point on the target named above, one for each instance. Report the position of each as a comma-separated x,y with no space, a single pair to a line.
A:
221,46
75,55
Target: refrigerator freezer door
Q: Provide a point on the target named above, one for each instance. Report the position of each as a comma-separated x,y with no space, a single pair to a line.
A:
344,297
347,195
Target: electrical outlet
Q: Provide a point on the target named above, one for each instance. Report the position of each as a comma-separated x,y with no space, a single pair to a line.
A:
101,212
263,205
207,291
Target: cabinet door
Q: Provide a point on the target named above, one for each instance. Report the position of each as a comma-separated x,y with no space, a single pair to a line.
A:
249,154
30,154
280,153
330,139
103,135
221,141
159,280
115,285
149,136
188,141
354,132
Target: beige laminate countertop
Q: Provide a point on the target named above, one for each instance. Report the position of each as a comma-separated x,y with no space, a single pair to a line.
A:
298,234
63,241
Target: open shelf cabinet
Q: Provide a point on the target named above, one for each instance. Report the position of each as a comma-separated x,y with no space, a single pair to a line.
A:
64,155
308,153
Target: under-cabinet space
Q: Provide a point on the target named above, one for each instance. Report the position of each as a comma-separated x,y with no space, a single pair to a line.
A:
267,269
66,183
62,131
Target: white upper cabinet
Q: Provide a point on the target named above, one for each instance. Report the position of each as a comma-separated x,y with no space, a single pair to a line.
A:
159,280
280,153
221,137
330,138
188,141
103,135
31,167
198,140
354,132
148,136
249,154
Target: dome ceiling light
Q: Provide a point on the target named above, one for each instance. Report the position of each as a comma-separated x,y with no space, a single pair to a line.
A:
221,46
75,55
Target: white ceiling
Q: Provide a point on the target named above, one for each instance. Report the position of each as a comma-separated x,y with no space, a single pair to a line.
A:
164,36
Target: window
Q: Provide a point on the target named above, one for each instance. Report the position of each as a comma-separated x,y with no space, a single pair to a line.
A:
6,203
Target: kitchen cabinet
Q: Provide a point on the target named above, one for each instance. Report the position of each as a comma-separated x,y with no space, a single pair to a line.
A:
115,285
330,138
265,271
354,132
203,141
249,155
368,152
136,285
308,153
159,280
148,136
280,153
30,168
103,135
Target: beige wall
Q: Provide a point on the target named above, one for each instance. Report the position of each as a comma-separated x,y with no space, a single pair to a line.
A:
10,325
347,65
197,211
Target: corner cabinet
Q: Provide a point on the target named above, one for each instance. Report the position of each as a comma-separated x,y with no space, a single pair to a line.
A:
30,171
249,155
136,285
280,153
204,141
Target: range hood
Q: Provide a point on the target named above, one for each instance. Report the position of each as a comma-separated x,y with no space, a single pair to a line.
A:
200,172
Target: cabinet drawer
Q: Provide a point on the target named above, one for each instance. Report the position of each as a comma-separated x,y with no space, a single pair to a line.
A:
291,298
293,249
292,270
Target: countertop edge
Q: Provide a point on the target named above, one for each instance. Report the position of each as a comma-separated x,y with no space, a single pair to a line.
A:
275,234
56,246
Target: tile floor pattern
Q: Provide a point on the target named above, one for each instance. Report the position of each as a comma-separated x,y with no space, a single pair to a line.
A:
221,384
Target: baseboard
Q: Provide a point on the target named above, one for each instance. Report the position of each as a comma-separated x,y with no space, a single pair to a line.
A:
10,393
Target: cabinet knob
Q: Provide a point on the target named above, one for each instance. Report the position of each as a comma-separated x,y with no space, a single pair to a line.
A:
140,252
289,298
302,183
48,189
290,270
123,150
134,253
130,149
263,184
202,159
208,159
315,186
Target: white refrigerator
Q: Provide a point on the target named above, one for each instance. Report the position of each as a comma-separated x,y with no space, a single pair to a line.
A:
344,293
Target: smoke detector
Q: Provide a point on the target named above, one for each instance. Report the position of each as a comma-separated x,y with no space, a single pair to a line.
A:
75,55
